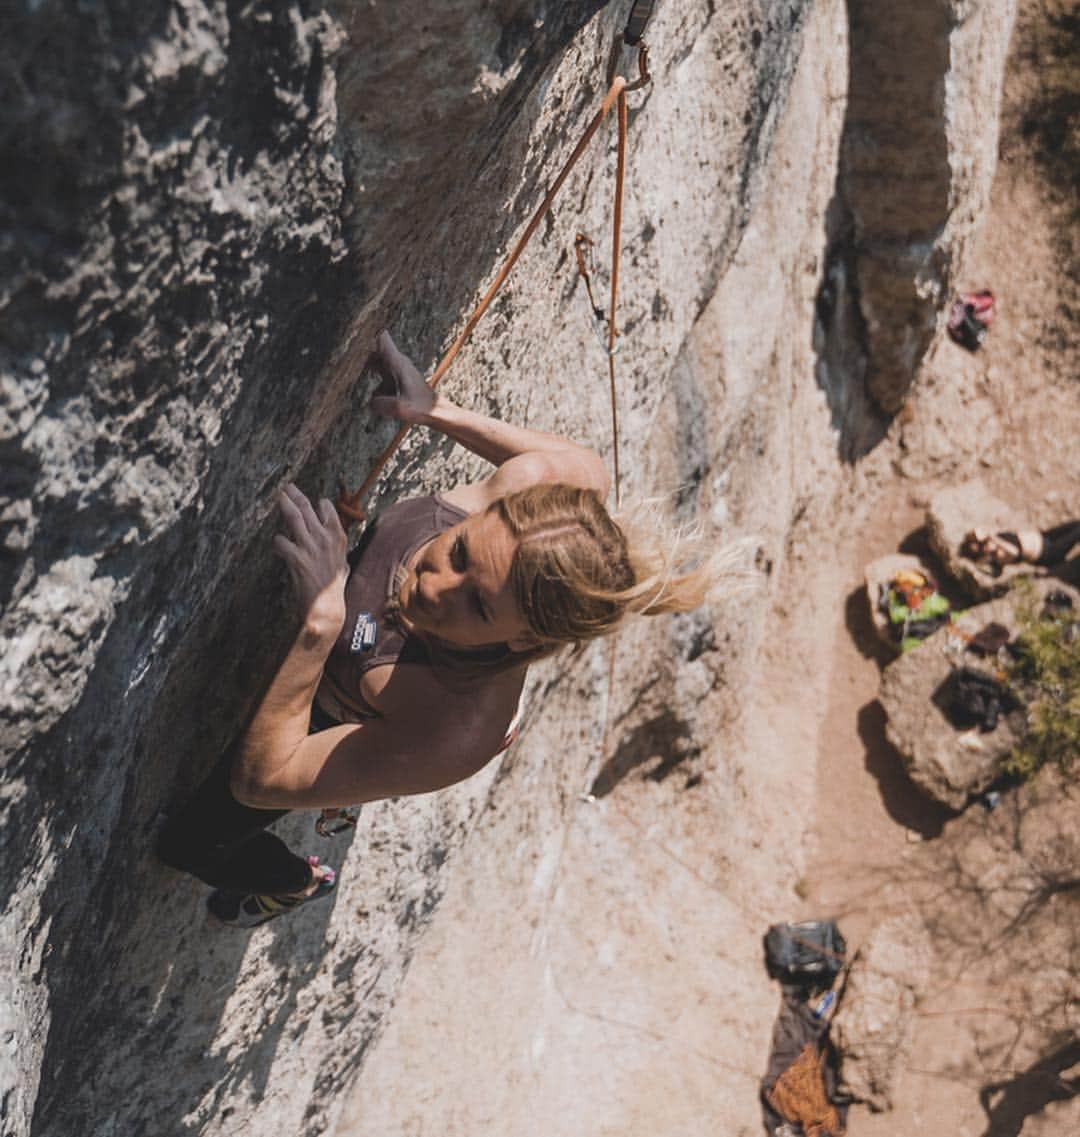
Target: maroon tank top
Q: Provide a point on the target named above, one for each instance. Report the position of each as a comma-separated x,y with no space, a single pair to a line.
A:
371,636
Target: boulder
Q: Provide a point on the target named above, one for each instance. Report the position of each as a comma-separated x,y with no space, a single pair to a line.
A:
952,514
877,575
948,764
872,1029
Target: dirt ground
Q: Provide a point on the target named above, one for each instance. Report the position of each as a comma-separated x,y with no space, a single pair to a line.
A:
1011,416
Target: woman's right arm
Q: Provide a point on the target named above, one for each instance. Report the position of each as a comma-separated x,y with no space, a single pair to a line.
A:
401,753
524,457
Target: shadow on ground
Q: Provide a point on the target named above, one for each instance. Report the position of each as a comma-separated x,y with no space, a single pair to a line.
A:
903,801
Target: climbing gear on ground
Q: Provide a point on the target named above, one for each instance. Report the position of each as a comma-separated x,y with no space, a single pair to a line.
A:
989,640
824,1005
913,587
240,911
809,953
348,504
914,607
331,822
800,1095
1056,602
972,698
997,550
970,318
798,1027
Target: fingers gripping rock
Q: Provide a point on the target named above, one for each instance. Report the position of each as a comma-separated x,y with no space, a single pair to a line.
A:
404,394
313,548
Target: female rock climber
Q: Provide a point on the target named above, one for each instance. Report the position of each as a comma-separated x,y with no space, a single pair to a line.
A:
406,669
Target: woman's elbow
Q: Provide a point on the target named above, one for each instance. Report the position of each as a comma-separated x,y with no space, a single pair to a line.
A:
243,790
252,791
595,476
603,481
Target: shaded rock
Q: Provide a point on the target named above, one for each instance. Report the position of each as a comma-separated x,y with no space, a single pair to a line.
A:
895,258
952,514
872,1029
948,764
877,575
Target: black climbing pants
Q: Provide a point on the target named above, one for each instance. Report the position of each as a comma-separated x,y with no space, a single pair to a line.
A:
225,844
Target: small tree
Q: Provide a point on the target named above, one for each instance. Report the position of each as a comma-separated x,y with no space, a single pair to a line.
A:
1046,672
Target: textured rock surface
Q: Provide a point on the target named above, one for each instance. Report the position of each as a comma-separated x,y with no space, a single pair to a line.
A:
208,210
949,764
952,765
872,1029
557,1013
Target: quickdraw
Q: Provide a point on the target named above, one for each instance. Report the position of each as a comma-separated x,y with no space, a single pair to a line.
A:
583,253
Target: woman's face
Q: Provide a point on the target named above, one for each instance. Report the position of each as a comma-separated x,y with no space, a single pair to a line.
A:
458,586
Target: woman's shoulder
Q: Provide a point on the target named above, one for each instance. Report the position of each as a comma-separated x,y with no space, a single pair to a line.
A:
481,708
435,507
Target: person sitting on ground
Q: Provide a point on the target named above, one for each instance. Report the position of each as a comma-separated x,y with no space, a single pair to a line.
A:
1031,546
410,655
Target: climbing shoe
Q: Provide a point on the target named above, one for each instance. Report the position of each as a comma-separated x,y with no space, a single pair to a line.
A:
249,910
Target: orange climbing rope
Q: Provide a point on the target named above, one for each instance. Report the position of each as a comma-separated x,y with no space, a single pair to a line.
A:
613,332
349,504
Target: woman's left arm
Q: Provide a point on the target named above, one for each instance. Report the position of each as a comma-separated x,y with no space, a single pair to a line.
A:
313,549
523,457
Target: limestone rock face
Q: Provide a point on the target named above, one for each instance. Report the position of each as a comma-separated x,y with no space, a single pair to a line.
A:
872,1028
209,210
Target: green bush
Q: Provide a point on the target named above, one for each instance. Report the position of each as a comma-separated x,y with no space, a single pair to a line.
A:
1046,673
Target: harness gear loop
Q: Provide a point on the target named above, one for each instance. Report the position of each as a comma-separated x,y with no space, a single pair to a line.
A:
348,504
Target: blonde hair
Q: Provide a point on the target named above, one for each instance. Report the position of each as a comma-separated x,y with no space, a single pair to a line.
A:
577,572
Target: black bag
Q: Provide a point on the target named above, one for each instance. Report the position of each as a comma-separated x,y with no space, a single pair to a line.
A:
810,953
972,698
